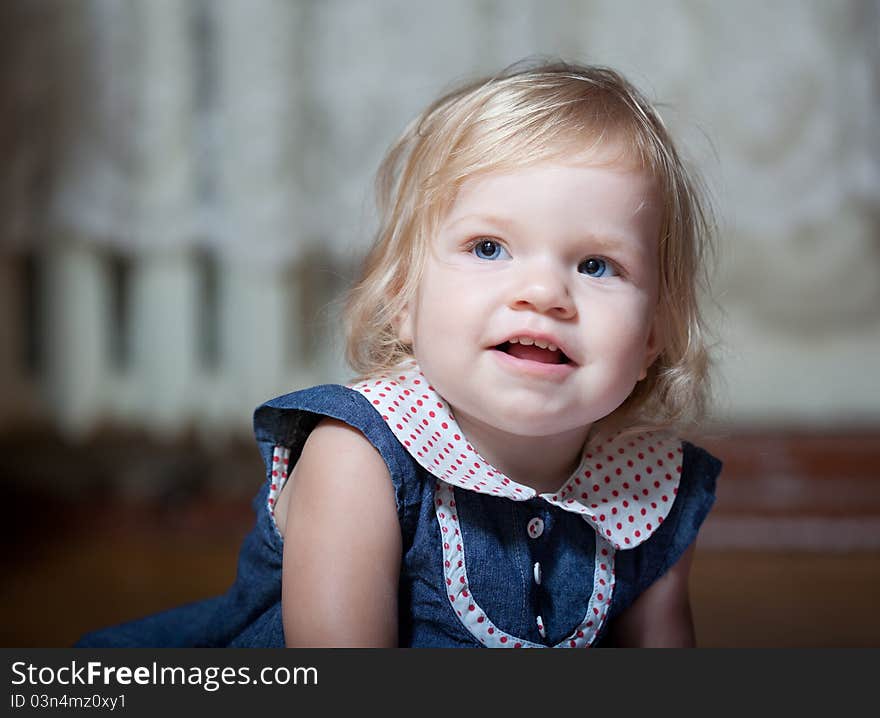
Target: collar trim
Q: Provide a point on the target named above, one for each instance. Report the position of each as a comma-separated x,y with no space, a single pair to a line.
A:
624,487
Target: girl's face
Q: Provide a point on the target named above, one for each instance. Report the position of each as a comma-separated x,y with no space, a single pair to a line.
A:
536,312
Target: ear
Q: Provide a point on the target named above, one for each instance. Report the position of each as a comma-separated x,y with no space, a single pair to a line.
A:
403,326
653,347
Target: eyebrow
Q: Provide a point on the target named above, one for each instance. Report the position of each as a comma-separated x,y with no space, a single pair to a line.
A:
498,221
607,241
604,240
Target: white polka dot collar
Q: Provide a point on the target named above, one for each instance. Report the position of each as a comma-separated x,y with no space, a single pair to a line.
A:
624,487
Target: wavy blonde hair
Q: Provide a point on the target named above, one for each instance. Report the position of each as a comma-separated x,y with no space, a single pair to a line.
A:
525,115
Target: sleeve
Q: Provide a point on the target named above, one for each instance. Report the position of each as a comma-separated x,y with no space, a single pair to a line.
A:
288,420
696,496
637,569
249,613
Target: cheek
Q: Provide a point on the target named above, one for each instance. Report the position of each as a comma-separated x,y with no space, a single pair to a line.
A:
448,304
442,323
622,330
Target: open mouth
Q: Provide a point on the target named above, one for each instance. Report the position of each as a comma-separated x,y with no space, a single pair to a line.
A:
532,352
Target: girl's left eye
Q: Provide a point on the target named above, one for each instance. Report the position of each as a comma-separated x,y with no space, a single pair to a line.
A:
597,267
489,249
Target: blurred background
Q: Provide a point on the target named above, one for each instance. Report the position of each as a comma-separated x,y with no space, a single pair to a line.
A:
186,191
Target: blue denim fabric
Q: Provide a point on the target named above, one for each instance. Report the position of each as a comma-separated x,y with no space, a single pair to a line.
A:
498,553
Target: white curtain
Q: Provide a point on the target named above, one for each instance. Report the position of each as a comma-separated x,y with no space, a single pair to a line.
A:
250,129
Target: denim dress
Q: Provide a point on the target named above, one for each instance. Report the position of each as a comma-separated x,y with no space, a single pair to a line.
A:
486,562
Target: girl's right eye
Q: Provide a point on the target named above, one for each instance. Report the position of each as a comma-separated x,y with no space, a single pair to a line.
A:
489,249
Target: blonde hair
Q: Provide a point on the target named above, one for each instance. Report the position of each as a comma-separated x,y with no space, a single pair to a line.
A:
519,117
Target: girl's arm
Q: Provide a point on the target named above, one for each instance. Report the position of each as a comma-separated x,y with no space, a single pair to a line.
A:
661,616
342,544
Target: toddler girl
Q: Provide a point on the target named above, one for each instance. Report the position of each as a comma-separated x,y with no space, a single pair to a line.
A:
527,336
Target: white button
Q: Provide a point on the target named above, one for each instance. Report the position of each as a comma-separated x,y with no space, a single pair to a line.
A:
541,627
537,572
536,527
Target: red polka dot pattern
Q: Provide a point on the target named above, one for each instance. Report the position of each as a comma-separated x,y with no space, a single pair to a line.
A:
623,487
278,474
420,419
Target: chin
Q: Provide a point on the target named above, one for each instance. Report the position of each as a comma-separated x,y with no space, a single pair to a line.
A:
536,424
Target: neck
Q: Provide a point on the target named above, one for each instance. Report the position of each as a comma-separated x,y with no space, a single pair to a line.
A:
543,463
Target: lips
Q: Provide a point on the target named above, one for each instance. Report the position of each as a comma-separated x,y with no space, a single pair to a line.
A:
542,350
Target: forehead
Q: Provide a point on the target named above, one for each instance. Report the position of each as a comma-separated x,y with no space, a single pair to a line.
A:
583,194
473,161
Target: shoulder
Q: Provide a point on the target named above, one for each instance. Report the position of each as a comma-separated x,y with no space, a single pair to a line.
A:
339,444
337,463
342,429
339,470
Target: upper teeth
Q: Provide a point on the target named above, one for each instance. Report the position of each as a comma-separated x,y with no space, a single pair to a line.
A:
528,341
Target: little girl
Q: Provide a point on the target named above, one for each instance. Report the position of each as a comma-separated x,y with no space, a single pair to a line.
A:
527,335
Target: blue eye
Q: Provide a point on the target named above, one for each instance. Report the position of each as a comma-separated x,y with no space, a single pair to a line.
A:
489,249
596,267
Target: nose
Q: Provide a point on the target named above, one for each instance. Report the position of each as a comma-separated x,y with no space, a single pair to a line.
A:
544,290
